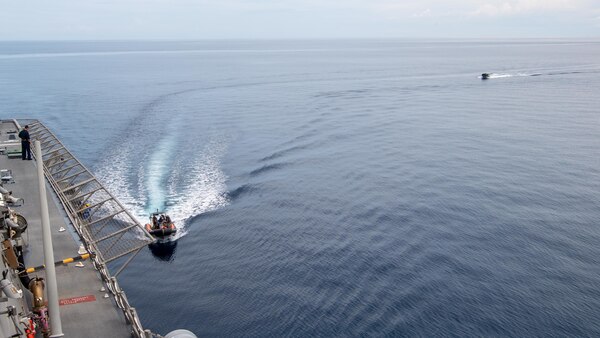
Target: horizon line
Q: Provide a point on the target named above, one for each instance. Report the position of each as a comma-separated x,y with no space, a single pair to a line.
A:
305,39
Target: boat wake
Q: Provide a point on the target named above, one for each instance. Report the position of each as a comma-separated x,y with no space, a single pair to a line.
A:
546,72
505,75
197,188
158,168
179,187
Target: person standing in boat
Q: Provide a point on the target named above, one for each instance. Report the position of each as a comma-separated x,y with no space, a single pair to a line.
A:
154,222
25,144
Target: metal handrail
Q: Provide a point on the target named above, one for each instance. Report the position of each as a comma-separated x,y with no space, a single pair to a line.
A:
98,259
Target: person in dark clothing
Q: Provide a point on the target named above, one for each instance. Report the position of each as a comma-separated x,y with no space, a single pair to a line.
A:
25,144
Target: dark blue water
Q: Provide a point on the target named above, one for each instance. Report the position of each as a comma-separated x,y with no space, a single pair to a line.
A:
341,188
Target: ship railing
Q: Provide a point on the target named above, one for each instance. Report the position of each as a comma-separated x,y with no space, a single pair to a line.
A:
108,230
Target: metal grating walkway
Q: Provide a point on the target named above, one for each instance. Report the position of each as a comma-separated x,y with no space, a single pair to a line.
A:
108,229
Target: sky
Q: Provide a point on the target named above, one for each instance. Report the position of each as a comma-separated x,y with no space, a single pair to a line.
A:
296,19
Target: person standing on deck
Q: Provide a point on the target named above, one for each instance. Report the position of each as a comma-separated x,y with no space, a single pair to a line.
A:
25,144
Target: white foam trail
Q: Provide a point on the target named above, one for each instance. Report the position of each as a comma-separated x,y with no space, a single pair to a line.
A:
202,189
183,190
158,168
499,76
113,174
505,75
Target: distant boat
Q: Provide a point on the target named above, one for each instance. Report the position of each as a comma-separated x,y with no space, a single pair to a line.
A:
485,76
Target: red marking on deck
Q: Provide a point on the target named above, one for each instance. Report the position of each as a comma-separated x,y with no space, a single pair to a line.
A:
75,300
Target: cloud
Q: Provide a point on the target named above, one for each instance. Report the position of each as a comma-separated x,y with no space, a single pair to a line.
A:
422,14
515,7
462,8
196,19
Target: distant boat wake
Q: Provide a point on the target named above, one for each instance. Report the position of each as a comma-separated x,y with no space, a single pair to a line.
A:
504,75
563,71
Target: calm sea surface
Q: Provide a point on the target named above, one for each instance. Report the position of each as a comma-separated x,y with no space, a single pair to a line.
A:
341,188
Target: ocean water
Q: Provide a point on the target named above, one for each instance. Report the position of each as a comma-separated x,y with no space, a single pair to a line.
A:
341,188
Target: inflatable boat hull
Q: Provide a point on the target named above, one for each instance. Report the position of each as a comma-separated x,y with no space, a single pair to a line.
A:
163,231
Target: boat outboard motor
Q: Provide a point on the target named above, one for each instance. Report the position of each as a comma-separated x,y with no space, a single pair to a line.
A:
9,198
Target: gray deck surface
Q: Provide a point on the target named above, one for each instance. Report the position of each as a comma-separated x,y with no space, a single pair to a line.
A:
99,318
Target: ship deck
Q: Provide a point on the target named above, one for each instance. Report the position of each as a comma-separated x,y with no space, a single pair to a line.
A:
84,311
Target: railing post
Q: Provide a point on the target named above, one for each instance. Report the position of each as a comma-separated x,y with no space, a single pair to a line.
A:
52,287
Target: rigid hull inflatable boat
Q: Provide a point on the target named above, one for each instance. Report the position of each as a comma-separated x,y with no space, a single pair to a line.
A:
160,225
